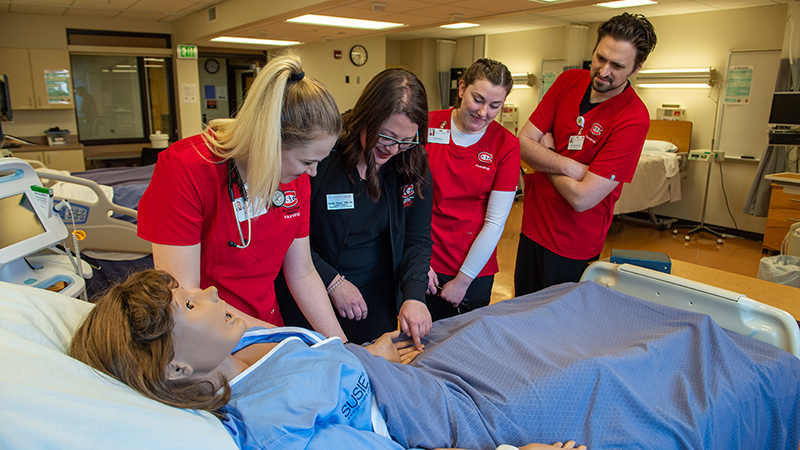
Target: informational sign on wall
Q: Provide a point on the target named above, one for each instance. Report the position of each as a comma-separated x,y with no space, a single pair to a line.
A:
740,82
57,82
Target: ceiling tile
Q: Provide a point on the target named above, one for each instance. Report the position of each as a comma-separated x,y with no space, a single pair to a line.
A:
35,9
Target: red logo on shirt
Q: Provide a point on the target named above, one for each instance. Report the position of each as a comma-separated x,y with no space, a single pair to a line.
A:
291,199
485,157
597,129
408,195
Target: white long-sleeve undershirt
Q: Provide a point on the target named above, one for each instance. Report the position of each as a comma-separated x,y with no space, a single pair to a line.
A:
497,211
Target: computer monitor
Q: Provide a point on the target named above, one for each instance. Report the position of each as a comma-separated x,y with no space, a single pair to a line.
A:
27,225
5,100
785,109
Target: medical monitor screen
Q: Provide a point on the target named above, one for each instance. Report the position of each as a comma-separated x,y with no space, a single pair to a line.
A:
785,109
18,220
5,100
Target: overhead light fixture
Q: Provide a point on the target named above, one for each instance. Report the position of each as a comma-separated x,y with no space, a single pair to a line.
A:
693,78
343,22
523,80
460,25
626,3
242,40
457,22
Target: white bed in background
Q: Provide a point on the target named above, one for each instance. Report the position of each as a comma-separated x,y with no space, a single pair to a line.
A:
657,178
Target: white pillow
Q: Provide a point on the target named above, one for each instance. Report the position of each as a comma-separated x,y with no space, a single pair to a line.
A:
49,400
659,146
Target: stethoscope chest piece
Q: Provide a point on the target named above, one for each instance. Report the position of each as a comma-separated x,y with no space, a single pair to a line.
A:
278,198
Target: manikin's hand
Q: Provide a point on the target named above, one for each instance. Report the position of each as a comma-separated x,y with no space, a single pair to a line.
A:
400,351
415,321
348,301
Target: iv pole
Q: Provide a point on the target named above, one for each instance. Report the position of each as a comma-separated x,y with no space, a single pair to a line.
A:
702,227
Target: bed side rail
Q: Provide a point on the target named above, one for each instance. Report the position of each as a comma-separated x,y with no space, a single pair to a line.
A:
103,232
732,311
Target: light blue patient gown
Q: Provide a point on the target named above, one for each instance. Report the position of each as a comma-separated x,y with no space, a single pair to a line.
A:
309,392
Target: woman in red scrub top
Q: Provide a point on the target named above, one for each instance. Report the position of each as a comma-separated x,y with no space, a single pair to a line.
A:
475,167
230,207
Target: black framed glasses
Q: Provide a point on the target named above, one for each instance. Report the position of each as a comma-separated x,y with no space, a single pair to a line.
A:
387,141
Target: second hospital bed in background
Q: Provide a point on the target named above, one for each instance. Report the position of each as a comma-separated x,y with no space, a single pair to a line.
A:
657,178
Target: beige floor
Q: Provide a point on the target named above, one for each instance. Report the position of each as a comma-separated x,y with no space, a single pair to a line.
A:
734,255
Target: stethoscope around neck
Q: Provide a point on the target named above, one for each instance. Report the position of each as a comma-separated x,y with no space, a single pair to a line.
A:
234,177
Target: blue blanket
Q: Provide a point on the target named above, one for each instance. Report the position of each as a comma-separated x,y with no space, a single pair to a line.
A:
584,362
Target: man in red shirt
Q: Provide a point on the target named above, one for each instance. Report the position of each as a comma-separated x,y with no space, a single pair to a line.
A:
583,141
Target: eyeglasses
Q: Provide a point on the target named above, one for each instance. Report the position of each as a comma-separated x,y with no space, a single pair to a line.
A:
387,141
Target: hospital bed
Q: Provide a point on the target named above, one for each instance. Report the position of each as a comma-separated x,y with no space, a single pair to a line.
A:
103,203
48,400
657,178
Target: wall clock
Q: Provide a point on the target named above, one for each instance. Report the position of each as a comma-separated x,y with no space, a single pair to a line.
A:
358,55
212,66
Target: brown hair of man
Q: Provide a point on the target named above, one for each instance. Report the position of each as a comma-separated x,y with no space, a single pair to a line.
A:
633,28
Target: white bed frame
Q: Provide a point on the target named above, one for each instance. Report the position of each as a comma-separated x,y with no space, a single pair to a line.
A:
732,311
103,232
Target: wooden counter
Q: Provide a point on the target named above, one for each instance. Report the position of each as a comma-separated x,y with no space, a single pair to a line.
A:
783,297
62,157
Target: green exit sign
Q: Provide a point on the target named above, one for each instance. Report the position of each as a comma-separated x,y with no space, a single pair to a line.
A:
187,52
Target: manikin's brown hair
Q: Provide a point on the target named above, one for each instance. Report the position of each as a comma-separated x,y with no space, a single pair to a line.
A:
128,335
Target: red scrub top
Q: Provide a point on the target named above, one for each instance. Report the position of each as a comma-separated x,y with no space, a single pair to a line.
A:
187,203
614,132
463,177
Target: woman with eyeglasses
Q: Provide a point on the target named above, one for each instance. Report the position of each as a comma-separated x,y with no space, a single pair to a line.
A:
230,207
371,213
475,164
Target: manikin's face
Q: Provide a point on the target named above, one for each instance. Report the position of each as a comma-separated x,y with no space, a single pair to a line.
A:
204,333
613,62
481,101
295,161
397,126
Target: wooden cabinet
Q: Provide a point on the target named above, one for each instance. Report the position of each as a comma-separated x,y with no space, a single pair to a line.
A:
784,210
61,159
35,76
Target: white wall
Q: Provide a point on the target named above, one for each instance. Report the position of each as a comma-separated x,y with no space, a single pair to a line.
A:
689,40
319,62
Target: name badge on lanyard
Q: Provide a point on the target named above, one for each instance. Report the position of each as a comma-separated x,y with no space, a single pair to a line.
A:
438,136
340,201
576,142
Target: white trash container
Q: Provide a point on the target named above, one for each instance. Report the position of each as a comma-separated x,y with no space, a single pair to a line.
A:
158,140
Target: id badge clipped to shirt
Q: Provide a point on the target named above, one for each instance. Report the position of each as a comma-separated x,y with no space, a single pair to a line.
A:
575,142
438,136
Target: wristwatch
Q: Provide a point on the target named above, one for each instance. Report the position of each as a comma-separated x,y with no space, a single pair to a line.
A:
507,447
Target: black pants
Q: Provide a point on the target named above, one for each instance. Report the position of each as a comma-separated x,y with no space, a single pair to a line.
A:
538,268
478,294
